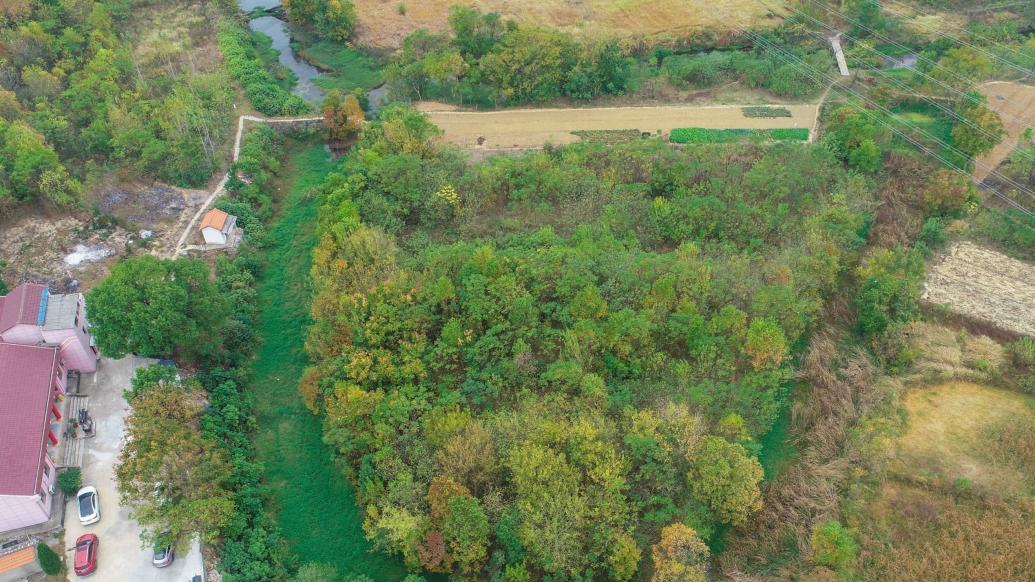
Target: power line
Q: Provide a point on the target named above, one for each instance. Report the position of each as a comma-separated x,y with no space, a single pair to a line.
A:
804,68
992,56
973,99
947,110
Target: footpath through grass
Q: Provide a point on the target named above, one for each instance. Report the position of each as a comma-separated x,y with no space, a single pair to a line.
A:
313,503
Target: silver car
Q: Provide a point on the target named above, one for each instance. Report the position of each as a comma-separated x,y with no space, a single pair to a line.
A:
89,505
163,556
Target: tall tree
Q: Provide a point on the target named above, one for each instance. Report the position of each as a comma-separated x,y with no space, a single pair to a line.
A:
172,477
157,308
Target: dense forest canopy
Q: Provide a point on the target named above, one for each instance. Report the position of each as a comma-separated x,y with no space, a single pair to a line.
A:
533,365
78,96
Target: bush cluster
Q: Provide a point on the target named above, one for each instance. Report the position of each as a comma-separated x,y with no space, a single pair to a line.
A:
243,62
771,70
765,112
699,135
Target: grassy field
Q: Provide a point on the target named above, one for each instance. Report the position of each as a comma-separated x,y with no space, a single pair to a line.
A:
313,503
957,501
385,24
346,68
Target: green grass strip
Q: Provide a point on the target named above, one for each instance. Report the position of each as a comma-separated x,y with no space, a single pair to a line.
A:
314,504
700,135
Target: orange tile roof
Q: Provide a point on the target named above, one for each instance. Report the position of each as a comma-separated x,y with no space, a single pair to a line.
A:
214,218
17,559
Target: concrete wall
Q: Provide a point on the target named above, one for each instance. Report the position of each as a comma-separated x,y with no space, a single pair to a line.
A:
213,236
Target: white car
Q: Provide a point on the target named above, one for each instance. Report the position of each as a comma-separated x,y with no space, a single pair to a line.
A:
89,506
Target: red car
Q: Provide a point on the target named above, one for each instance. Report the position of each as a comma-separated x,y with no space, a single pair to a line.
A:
86,554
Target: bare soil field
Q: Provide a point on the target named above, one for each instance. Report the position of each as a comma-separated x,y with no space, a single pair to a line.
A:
385,23
983,284
531,128
1016,105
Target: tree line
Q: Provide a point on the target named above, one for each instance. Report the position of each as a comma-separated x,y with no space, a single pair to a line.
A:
76,98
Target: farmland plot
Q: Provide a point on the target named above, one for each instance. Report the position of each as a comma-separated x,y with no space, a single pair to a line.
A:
983,284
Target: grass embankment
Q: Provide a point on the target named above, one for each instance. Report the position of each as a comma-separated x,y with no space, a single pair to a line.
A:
314,505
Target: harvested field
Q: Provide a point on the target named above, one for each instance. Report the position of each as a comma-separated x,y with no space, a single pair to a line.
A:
986,285
531,128
383,24
1015,104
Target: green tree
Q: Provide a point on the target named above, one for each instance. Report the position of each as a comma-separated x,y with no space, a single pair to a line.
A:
466,531
530,64
173,477
980,130
624,559
157,308
50,562
765,343
679,555
725,478
833,545
69,481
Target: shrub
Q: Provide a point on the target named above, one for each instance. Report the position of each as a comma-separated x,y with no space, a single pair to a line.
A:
244,64
1023,353
70,480
833,545
766,112
48,559
697,135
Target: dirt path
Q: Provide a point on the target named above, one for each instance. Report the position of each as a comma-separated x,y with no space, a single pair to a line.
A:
984,284
531,128
179,248
1016,105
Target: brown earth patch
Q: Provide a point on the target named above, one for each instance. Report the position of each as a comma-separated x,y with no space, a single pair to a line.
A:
983,284
1015,104
531,128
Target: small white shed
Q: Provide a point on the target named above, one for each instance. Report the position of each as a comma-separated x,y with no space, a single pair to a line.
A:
218,227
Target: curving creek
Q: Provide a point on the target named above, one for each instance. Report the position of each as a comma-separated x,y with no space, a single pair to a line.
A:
277,30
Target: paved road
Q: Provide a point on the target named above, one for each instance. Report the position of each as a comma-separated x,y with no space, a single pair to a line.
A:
120,555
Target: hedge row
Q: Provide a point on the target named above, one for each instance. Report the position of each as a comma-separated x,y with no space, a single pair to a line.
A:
765,112
243,62
701,135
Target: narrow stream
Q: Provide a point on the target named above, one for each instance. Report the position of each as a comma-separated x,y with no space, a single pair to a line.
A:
277,30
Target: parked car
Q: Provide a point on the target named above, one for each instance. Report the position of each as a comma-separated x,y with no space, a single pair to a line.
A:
89,505
86,554
163,552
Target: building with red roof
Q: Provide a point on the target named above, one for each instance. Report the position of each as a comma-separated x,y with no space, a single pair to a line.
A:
31,315
31,379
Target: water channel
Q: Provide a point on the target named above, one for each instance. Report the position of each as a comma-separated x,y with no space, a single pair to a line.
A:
277,30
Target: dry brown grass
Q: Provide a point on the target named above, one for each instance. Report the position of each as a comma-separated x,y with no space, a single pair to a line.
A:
947,354
382,26
983,284
919,534
841,389
958,430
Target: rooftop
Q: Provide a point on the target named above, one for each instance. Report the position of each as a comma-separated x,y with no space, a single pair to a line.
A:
61,312
214,218
22,305
26,373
